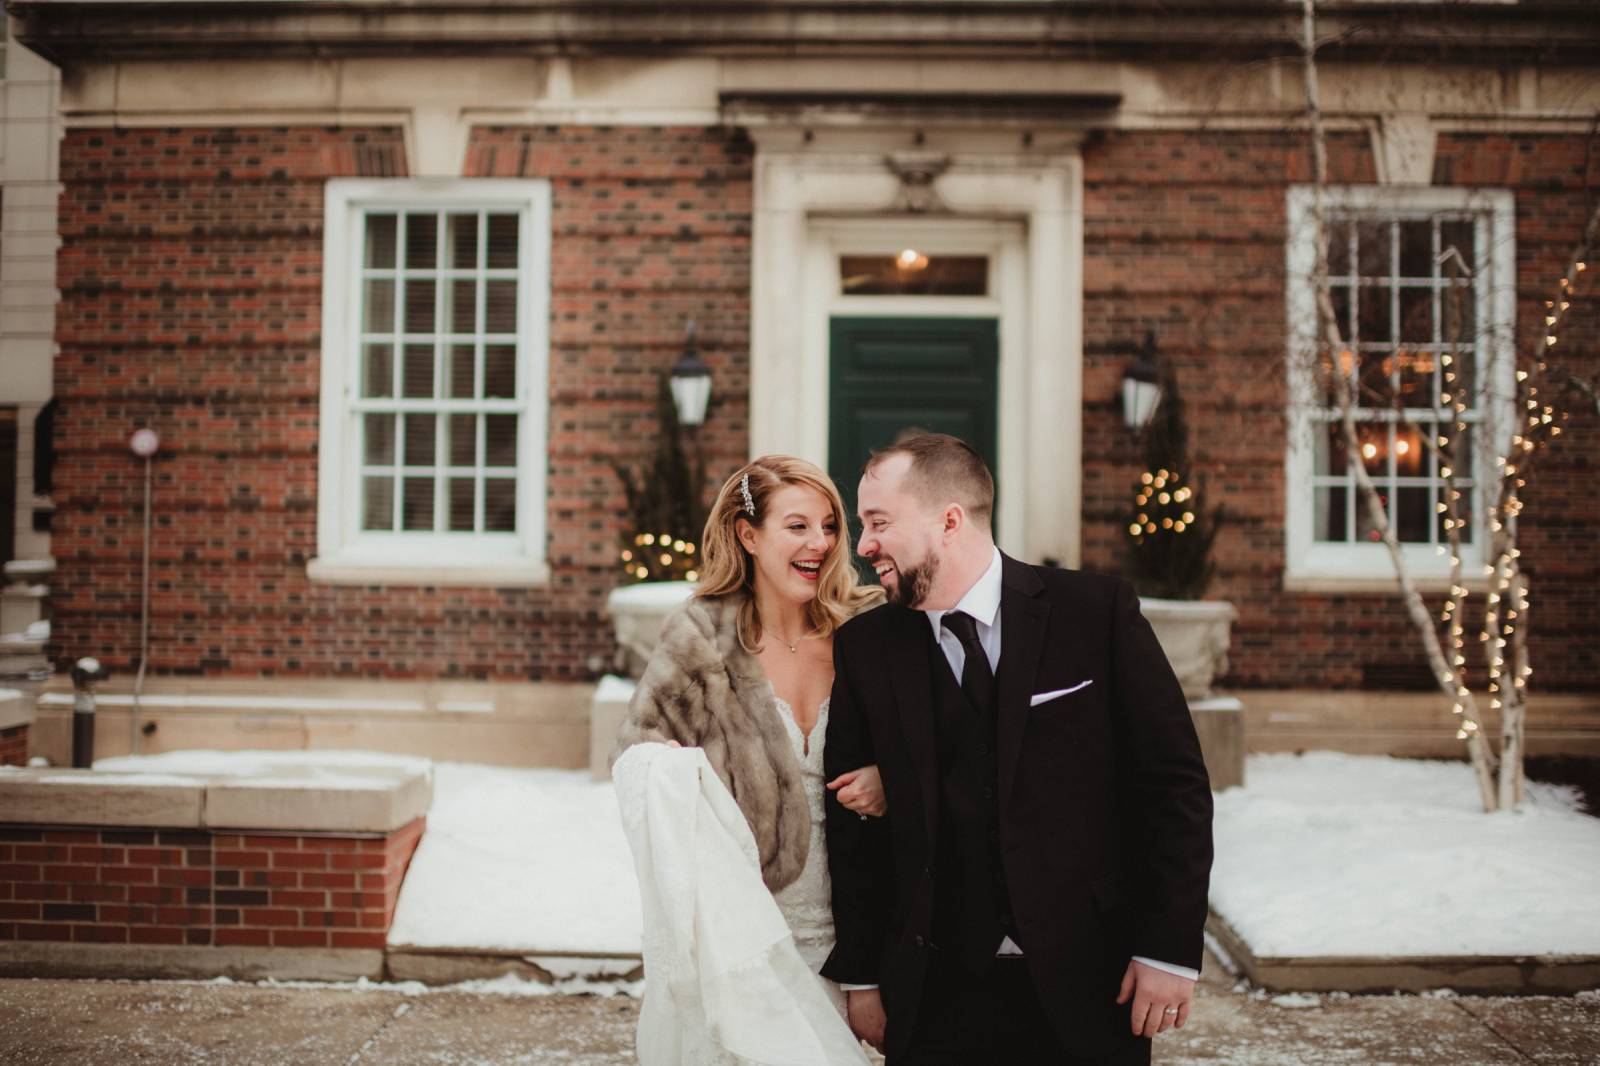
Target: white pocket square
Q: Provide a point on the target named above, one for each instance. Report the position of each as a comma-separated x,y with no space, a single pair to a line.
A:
1046,697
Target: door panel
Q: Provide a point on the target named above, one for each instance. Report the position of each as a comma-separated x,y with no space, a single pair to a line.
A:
887,375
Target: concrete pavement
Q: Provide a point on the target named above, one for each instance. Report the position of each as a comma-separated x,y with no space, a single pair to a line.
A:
91,1022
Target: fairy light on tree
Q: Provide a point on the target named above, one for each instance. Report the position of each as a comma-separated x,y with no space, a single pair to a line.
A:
1170,535
1536,422
665,509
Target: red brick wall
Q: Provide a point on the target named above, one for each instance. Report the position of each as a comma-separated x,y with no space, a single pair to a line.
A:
14,746
174,886
190,277
1185,236
190,274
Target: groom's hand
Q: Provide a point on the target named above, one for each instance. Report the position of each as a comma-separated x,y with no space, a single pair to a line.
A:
1160,999
865,1012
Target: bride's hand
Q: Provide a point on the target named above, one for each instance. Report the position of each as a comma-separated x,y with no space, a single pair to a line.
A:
862,791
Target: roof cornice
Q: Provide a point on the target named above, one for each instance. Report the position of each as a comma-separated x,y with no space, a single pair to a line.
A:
73,32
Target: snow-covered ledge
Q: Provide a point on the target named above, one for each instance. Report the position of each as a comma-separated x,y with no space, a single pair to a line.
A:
206,864
300,792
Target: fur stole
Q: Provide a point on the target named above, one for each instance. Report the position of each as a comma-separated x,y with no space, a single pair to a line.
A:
702,689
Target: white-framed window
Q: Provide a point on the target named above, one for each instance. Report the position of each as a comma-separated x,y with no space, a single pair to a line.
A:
435,337
1421,329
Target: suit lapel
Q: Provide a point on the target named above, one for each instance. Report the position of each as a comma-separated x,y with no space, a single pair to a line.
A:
1023,614
908,677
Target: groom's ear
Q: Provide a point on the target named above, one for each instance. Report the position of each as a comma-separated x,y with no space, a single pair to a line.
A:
955,516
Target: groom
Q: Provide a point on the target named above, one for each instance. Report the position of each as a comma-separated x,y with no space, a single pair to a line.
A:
1038,891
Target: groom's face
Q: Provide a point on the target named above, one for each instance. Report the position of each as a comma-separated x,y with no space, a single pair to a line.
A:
898,537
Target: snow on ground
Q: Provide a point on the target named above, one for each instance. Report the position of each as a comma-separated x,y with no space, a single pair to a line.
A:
1332,854
1322,854
509,985
269,769
526,860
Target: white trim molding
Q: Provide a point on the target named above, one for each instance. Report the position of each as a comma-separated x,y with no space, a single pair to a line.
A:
1326,566
347,554
816,195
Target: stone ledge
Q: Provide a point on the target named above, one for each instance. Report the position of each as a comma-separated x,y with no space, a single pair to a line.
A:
1489,975
318,698
447,966
344,799
144,962
16,708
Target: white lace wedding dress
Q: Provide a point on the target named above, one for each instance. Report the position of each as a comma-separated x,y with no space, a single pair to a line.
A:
807,904
726,986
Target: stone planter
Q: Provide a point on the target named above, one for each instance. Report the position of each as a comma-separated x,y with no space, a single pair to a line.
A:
1195,635
637,612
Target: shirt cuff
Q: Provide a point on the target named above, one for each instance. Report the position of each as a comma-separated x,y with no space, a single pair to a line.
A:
856,988
1168,967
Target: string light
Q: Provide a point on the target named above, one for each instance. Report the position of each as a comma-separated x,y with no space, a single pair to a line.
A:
658,556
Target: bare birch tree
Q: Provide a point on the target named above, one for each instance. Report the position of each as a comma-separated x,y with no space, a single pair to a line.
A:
1511,449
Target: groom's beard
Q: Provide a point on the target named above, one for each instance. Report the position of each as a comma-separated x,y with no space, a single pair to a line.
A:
915,583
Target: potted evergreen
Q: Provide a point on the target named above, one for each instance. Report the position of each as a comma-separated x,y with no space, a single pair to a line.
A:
1170,535
659,550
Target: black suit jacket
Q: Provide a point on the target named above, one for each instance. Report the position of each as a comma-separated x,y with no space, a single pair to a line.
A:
1105,806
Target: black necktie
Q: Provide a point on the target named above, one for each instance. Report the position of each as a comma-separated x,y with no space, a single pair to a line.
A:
977,680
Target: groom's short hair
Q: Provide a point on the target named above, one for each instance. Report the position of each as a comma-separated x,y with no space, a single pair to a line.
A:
943,469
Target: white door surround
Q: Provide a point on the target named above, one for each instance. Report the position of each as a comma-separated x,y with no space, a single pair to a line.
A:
1024,210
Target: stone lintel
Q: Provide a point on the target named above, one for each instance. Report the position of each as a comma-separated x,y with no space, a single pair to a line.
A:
855,109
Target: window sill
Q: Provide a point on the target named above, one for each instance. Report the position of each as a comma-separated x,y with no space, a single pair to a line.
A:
520,573
1371,584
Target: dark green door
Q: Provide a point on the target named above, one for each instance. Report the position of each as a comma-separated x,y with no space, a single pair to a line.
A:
887,375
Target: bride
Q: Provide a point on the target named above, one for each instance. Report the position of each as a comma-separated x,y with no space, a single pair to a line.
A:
741,676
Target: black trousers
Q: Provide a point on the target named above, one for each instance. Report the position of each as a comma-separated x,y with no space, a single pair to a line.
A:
968,1021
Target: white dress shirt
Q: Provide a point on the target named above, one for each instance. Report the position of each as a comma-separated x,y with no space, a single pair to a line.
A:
982,602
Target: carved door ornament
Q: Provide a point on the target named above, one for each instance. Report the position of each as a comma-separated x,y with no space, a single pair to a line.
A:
917,172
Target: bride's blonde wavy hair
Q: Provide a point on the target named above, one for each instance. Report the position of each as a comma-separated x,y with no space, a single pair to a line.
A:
727,568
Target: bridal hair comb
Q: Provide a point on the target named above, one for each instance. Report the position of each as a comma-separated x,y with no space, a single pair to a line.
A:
749,503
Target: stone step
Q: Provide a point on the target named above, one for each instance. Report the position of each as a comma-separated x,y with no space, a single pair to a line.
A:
448,966
512,723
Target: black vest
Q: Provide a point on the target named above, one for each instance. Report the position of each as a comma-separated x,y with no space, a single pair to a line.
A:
972,910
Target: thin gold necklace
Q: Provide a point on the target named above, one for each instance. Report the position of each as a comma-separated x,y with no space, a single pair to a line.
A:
792,645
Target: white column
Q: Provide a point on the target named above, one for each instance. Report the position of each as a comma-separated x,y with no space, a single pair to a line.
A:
1055,418
776,273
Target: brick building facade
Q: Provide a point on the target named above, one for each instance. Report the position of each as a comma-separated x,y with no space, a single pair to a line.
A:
194,293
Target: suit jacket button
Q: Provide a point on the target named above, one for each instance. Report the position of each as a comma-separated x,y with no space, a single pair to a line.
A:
983,749
918,941
927,871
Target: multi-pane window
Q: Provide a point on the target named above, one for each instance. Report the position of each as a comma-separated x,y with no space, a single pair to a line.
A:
1410,318
1420,282
435,341
438,406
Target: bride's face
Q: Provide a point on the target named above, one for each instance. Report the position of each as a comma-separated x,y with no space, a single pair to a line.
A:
795,538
